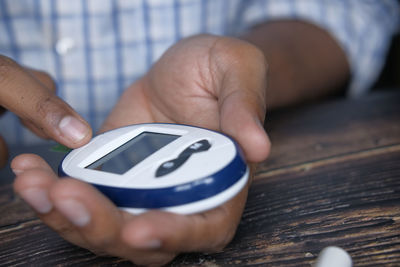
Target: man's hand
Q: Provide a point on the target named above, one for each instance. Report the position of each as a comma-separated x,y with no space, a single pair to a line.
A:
31,96
213,82
208,81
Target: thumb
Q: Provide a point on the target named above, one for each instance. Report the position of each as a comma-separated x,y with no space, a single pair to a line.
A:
240,120
242,99
30,99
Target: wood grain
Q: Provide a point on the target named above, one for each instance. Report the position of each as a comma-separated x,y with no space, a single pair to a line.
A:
331,129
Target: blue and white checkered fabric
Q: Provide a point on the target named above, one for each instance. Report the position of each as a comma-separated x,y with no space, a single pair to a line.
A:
96,48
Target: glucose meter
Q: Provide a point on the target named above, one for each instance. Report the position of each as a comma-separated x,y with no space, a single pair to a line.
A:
177,168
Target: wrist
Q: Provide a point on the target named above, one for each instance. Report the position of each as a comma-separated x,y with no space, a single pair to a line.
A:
305,62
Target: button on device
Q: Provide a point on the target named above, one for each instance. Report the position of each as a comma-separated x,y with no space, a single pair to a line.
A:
199,146
168,165
171,165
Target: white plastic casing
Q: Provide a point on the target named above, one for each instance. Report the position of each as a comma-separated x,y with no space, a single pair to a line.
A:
222,152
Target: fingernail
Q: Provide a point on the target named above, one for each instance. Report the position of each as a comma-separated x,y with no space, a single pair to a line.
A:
37,199
73,128
17,172
74,211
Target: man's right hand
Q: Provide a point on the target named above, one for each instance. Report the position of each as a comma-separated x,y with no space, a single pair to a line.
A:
30,94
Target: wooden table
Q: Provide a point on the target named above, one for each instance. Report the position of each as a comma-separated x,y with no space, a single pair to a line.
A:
333,178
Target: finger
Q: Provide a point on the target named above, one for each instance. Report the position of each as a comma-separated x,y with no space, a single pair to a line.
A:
26,96
44,78
34,128
3,152
49,84
242,99
34,180
25,162
98,221
240,119
76,211
89,211
209,231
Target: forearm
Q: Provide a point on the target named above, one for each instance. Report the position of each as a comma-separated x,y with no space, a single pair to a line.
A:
304,61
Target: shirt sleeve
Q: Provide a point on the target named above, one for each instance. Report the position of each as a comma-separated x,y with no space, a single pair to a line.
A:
363,28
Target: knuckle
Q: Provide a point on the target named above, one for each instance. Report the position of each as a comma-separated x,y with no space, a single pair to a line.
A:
45,79
254,57
240,54
49,106
42,106
7,67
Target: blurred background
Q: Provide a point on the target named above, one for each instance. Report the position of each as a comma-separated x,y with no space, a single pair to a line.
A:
390,76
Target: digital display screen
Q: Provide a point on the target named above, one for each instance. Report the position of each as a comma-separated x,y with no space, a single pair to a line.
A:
132,152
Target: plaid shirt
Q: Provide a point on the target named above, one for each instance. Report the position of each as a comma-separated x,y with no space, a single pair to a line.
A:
96,48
